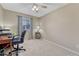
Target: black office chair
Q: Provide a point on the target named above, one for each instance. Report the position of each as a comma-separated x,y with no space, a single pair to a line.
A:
16,41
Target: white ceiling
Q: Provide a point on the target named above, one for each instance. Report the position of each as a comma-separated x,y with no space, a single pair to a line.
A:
26,8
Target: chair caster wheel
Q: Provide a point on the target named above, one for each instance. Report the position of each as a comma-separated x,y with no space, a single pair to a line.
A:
10,54
24,50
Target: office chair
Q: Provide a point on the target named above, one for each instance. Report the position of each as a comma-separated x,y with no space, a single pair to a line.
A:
16,41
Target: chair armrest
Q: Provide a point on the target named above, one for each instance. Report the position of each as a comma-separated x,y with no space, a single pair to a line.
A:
16,36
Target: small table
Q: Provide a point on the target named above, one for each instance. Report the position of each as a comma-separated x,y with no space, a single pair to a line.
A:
6,40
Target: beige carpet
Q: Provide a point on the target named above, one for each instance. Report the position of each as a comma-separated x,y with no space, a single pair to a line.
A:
43,48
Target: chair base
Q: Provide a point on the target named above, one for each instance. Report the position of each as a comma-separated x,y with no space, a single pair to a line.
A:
16,50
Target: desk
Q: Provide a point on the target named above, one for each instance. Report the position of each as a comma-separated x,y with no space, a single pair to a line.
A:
6,40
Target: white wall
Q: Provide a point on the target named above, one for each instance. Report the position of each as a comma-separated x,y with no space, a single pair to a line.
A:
10,20
62,26
1,15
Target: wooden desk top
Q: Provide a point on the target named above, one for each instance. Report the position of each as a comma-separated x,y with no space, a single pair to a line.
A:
4,39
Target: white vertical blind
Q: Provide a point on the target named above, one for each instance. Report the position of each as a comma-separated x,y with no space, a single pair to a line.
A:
24,23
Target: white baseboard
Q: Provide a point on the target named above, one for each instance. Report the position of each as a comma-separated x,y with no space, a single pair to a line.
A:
61,46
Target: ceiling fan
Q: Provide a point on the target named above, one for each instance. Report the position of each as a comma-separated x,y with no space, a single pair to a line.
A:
36,7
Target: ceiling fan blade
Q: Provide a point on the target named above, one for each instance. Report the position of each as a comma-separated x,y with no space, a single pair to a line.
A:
43,6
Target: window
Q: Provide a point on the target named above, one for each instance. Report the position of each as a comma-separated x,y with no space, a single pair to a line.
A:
24,23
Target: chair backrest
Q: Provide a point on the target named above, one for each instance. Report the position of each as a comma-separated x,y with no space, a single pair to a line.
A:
22,36
20,39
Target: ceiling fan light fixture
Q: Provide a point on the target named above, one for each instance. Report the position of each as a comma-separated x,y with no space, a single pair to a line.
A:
35,8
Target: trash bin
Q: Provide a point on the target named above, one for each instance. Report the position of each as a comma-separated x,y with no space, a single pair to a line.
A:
37,35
